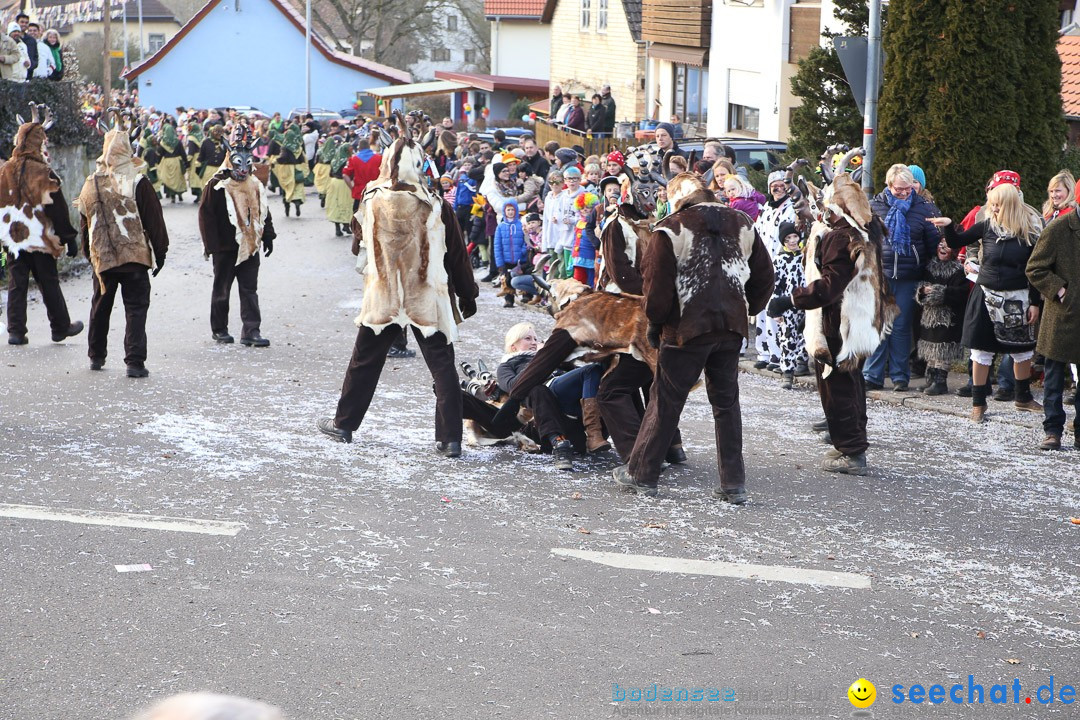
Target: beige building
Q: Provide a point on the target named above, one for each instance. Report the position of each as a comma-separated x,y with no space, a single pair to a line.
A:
596,43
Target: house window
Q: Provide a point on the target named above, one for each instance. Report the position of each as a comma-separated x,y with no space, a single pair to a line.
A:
586,14
155,42
470,56
691,85
601,16
440,55
743,118
451,23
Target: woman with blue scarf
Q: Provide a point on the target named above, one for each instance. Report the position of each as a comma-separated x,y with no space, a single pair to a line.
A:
910,244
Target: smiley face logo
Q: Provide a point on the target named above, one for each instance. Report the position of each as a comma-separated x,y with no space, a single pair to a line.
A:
862,693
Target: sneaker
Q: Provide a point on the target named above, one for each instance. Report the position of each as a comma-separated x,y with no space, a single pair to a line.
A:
821,425
400,353
1003,395
562,454
760,365
326,427
73,329
735,496
1051,442
846,464
1031,406
627,482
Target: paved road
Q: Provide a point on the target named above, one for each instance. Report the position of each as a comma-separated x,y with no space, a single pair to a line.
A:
377,580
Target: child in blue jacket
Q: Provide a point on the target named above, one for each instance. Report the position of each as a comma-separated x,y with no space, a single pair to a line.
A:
510,248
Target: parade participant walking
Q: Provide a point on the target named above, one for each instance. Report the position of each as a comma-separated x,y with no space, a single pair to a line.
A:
124,236
34,229
339,200
321,171
234,220
173,164
416,274
290,167
697,305
193,145
362,168
847,304
212,153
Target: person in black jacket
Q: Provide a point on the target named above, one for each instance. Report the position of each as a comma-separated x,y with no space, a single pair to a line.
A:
911,243
236,249
122,254
596,121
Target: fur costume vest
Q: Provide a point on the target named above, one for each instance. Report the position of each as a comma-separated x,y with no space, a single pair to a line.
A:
26,187
116,235
866,310
246,203
402,260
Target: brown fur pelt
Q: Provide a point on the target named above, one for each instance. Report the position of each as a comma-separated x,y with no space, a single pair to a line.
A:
623,243
210,706
26,187
602,324
687,189
247,207
116,233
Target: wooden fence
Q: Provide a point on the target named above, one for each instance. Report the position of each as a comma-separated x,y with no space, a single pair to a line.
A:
546,132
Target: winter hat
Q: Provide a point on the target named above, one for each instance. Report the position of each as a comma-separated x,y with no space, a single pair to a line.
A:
779,176
787,228
1004,177
918,174
498,168
571,172
566,156
508,158
616,157
13,27
609,180
532,217
667,127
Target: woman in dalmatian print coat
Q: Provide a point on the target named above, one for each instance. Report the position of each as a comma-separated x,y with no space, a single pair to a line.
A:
788,266
777,209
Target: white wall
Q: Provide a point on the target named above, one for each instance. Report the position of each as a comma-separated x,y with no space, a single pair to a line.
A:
456,42
521,48
749,40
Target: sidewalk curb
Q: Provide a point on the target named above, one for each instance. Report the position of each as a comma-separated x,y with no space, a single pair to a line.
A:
950,404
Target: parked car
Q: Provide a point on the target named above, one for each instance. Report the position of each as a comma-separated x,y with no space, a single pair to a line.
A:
322,115
247,110
763,155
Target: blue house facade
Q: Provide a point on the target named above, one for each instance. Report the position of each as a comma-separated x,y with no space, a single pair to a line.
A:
251,52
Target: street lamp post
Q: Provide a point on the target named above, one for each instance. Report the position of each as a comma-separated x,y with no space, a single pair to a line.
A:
307,56
873,75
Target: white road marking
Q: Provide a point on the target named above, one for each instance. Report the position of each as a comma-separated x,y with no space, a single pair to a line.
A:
115,519
777,573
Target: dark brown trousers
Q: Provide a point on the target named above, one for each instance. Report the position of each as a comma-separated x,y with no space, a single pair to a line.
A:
368,359
42,266
678,368
620,403
246,275
843,398
134,288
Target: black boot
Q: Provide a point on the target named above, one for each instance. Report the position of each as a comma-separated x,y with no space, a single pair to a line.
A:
322,201
937,382
297,207
337,230
978,403
286,208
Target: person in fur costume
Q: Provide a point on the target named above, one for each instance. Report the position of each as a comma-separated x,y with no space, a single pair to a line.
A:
788,266
942,294
234,220
124,236
849,307
34,229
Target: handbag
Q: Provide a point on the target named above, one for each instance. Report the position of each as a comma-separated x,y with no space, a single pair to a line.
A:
1008,314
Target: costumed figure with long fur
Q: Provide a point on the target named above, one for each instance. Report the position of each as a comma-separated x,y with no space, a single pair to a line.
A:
34,228
705,272
235,223
416,274
124,237
848,310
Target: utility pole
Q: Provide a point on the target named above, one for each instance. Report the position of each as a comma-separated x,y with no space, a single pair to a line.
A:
873,75
106,75
307,56
142,45
127,61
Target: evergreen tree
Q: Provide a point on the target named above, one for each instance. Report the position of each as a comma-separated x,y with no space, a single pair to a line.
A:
971,87
828,113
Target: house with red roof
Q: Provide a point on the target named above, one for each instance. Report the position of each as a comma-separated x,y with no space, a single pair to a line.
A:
520,38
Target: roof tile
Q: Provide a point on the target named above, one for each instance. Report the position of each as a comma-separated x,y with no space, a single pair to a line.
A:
514,8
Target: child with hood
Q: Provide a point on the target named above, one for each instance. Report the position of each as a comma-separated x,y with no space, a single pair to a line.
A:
509,247
742,196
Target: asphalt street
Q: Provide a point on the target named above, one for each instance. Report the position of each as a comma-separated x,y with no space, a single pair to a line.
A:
379,580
